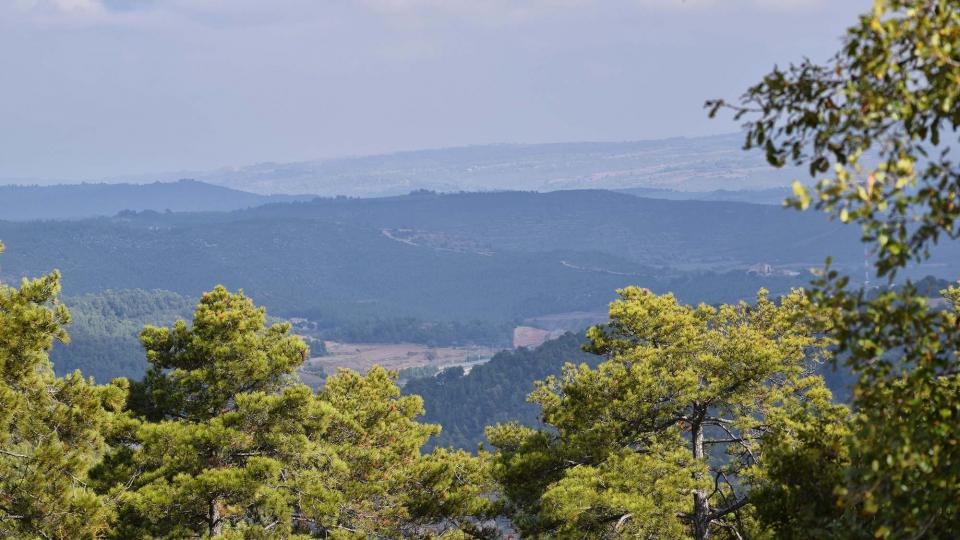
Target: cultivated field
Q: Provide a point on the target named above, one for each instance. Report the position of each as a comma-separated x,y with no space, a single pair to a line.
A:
396,356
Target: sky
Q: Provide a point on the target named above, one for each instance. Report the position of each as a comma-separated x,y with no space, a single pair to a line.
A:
93,89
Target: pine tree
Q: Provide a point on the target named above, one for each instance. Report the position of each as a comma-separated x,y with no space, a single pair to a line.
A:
50,428
229,444
664,437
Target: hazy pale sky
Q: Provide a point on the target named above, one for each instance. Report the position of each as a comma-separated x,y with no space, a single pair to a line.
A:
96,88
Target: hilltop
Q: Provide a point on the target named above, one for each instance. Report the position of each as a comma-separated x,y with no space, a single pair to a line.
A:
73,201
688,167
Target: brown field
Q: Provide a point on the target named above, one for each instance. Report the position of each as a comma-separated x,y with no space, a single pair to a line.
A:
572,321
362,356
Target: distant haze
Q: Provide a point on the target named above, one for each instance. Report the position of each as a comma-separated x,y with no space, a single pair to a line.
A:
680,164
97,89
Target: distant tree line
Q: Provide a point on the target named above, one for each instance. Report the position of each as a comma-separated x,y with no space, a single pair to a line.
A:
105,327
493,392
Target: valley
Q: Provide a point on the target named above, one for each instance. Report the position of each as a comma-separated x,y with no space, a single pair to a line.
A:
394,356
452,272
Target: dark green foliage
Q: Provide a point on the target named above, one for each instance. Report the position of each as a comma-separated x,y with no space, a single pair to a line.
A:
104,329
314,267
406,375
494,392
330,260
806,455
631,229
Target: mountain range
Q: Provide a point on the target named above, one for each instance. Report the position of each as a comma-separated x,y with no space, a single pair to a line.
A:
679,165
73,201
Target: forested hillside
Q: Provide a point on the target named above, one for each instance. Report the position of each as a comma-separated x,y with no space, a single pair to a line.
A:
679,234
104,330
424,268
503,256
495,392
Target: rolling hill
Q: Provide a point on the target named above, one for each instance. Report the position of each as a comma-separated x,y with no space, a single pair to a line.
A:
488,256
73,201
425,267
700,164
654,232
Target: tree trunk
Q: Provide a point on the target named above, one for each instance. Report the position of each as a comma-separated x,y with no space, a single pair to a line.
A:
214,519
701,505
